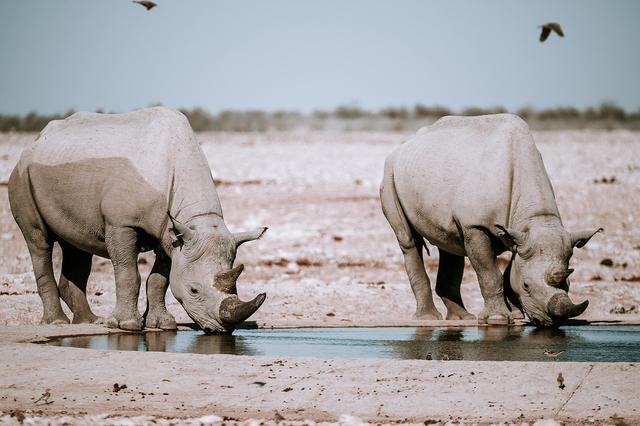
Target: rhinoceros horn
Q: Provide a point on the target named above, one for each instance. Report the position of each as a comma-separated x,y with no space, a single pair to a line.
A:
226,281
558,277
233,310
561,307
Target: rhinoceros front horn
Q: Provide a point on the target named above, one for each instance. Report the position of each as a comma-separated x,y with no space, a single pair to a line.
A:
561,307
233,310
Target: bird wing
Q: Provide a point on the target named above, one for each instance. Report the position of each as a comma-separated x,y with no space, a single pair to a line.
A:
147,4
557,28
545,33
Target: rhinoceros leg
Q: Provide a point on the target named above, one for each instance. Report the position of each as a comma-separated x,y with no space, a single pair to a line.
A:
483,259
411,244
122,247
156,315
450,270
76,267
418,278
47,288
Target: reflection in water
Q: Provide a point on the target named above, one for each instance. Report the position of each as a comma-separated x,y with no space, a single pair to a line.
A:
514,343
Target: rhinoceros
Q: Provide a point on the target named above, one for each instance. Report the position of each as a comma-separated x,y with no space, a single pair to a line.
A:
115,185
477,187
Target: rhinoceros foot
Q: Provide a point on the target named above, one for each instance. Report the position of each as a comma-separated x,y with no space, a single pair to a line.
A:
88,319
160,319
424,315
456,311
460,315
517,314
125,323
495,315
58,319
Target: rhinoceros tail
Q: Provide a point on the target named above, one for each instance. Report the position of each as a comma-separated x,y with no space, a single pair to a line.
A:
392,209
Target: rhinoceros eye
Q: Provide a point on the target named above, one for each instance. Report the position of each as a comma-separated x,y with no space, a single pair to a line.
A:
526,287
194,289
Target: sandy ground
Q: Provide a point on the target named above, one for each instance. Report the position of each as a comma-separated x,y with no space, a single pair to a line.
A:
79,382
329,257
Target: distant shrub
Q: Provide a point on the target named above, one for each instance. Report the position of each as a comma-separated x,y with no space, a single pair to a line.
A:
199,119
32,122
472,111
525,113
610,111
349,112
395,113
606,116
320,114
560,113
421,111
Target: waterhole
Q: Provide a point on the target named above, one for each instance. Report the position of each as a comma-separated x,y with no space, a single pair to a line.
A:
515,343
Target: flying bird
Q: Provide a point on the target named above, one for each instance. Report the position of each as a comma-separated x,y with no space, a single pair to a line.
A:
146,3
547,28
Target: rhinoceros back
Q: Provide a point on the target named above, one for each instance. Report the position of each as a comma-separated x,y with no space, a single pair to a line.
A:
469,171
90,169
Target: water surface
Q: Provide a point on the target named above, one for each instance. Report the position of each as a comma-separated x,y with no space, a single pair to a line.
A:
515,343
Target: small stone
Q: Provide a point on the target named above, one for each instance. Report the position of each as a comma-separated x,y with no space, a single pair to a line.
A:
210,420
618,309
293,268
606,262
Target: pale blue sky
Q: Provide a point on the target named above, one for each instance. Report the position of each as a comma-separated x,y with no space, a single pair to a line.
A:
302,55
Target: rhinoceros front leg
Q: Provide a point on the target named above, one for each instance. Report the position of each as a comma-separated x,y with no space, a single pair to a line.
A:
156,315
76,267
122,247
450,271
483,259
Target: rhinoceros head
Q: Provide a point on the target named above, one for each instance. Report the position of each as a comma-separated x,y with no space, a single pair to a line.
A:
536,280
203,278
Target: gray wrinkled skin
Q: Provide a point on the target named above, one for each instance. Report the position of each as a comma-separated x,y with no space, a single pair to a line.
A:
116,185
476,187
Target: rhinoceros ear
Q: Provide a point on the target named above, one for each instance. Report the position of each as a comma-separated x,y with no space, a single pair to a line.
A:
510,237
181,232
579,239
243,237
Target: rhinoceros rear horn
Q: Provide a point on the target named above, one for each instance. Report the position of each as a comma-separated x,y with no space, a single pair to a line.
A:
233,310
226,281
561,307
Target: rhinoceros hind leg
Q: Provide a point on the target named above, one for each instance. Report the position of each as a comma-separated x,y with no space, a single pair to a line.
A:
483,259
156,315
411,244
420,283
450,270
122,248
76,267
41,252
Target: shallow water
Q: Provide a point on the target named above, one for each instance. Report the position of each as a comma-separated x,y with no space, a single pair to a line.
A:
515,343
